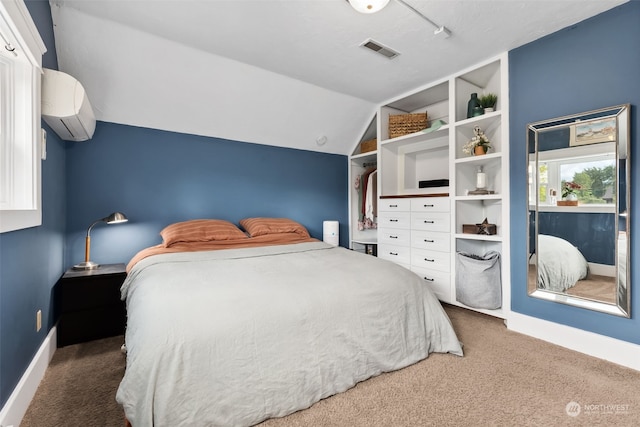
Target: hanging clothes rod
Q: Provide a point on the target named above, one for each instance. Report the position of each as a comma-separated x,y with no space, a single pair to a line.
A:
366,165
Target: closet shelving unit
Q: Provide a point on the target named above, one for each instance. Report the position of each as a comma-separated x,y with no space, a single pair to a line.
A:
404,161
358,164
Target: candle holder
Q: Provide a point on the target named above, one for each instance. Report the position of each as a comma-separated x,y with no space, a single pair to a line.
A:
481,184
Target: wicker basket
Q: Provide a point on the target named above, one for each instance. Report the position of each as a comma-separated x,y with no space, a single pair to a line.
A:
403,124
369,145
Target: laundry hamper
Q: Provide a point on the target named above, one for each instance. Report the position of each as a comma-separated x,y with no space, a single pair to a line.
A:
478,282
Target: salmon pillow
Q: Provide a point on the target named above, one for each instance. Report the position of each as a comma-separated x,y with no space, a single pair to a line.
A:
263,226
200,230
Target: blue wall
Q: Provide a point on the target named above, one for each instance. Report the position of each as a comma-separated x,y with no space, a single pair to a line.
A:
593,233
31,260
157,177
591,65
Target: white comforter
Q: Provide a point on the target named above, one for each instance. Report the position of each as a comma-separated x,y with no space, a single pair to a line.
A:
560,264
233,337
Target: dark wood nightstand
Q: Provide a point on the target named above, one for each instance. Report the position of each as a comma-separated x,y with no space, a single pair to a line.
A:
88,304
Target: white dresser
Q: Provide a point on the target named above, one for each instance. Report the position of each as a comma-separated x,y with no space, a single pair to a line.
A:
416,233
394,230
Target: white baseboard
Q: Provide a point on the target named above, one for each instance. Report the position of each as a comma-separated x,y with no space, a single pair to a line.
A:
602,270
616,351
18,403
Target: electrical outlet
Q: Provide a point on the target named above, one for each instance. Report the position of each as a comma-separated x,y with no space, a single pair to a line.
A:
38,320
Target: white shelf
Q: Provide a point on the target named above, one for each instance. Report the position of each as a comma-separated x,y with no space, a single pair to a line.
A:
420,136
480,197
372,241
484,121
365,156
482,237
479,160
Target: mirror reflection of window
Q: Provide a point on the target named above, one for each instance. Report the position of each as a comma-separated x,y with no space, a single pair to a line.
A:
543,183
595,176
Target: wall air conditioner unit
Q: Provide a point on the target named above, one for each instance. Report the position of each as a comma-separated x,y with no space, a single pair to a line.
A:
65,106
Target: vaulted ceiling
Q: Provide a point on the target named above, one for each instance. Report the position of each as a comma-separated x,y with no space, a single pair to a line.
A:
281,72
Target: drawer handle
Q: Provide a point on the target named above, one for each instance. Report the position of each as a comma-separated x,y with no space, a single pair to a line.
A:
393,237
427,206
393,220
430,260
429,241
428,222
393,206
429,280
393,253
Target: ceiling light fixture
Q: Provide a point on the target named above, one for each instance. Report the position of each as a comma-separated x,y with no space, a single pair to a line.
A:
368,6
372,6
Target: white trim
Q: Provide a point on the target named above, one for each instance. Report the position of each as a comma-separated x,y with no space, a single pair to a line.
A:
576,209
24,30
18,403
21,197
600,346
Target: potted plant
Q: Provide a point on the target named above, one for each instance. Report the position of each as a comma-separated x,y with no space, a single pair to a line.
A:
569,191
478,145
488,102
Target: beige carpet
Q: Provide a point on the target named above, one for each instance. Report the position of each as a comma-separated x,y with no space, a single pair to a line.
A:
505,379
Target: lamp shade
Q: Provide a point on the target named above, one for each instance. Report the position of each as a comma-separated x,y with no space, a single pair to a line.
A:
114,218
368,6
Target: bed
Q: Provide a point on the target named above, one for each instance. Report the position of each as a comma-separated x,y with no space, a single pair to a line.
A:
560,264
233,333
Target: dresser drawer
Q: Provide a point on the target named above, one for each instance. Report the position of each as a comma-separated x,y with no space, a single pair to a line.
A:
434,221
431,240
438,281
394,220
394,205
431,204
397,254
432,260
394,236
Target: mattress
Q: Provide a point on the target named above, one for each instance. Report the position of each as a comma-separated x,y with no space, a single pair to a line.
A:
232,337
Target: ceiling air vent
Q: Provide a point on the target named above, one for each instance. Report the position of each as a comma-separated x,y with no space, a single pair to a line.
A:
378,48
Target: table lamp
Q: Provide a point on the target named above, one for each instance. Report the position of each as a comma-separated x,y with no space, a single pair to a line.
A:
114,218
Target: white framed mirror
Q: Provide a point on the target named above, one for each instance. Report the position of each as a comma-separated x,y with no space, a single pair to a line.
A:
579,196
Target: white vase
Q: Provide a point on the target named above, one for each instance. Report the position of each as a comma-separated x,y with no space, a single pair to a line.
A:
572,197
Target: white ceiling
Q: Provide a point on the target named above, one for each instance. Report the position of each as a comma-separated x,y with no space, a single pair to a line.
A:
280,72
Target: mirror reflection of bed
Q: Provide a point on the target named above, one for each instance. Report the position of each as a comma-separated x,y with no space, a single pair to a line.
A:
591,286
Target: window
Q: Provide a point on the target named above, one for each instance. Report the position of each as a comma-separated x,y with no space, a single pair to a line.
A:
592,177
21,50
